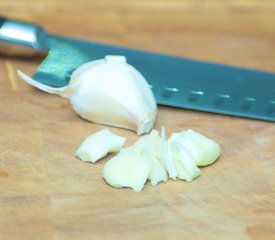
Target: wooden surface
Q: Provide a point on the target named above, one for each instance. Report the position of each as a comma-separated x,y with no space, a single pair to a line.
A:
47,193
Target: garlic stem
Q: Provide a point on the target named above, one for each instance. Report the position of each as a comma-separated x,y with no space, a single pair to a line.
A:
59,91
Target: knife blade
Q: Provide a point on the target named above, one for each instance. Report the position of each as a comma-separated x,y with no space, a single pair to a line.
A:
175,81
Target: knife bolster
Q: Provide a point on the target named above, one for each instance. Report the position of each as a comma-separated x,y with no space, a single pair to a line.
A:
19,38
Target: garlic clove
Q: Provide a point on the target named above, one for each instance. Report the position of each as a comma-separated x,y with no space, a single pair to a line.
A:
185,164
127,169
105,111
98,87
168,160
76,74
99,144
124,93
143,84
204,151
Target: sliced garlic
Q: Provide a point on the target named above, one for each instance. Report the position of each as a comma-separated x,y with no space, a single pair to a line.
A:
127,169
168,160
108,91
185,164
150,147
158,173
99,144
203,150
151,157
157,146
152,144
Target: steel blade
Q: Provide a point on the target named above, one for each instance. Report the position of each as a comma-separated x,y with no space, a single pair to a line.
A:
175,81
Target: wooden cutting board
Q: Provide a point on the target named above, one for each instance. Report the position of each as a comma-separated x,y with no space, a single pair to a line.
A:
47,193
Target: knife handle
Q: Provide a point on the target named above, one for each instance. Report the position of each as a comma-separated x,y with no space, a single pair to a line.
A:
20,39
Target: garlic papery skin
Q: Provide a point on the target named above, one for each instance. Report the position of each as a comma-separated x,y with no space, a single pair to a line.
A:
203,150
127,169
108,91
98,145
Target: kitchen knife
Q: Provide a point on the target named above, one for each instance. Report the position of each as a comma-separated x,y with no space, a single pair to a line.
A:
175,81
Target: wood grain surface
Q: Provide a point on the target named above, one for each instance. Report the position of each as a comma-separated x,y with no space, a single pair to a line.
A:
47,193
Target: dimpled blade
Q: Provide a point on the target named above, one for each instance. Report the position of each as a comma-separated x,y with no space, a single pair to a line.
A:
175,81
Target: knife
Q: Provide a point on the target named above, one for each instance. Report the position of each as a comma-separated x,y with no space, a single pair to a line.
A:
175,81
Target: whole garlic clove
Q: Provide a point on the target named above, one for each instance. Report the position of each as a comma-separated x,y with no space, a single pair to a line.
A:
204,151
108,91
99,144
127,169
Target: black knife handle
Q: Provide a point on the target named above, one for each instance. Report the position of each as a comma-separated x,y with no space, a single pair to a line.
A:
19,38
2,20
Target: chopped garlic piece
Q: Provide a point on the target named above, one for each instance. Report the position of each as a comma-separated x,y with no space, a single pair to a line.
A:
168,160
99,144
127,169
151,157
203,150
152,143
157,146
185,164
158,172
150,147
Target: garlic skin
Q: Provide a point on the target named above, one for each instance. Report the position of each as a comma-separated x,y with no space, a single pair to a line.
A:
127,169
98,145
108,91
203,150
